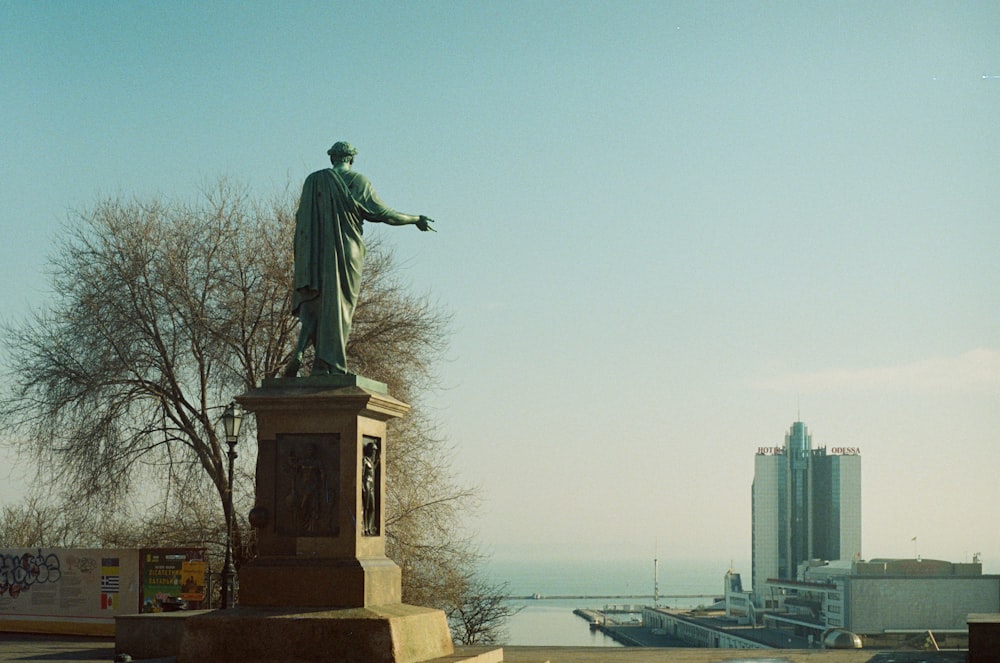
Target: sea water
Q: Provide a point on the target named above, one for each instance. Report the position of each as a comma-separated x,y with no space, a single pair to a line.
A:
540,589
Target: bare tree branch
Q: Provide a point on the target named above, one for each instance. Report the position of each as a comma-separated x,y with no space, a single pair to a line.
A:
163,311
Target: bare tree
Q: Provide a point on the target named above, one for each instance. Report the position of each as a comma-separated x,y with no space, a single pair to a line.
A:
480,615
162,311
36,522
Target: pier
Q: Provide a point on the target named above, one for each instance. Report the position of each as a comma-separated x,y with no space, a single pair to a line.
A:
629,634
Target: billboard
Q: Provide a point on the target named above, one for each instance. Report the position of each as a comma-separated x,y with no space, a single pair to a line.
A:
79,591
173,579
67,590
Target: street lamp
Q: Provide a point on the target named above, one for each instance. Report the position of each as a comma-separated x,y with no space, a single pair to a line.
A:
232,418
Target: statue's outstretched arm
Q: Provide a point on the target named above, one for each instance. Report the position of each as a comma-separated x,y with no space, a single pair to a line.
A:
399,219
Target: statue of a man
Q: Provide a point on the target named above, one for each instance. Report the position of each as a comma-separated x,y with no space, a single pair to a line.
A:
329,256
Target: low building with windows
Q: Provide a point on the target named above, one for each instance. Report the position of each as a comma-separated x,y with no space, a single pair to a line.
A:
739,602
885,601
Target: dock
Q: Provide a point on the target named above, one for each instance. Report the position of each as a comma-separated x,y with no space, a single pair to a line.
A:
630,635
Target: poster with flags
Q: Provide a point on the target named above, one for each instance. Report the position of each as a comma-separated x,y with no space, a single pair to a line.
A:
110,583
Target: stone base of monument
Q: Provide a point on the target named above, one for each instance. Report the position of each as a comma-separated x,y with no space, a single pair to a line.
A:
396,633
320,583
152,635
322,588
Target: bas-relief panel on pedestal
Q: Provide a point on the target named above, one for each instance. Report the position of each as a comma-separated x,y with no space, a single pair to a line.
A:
307,484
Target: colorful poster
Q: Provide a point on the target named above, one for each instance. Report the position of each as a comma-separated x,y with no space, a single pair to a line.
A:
193,587
170,576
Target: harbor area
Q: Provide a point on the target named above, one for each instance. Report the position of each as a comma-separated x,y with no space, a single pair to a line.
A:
624,624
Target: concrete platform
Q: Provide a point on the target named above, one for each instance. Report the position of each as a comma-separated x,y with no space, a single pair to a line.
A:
56,648
152,636
37,648
396,633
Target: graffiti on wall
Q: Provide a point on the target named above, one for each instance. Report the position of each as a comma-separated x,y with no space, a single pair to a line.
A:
66,590
19,573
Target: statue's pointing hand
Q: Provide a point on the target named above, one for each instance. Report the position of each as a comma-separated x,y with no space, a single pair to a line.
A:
425,224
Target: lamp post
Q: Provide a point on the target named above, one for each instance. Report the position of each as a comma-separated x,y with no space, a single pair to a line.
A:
232,418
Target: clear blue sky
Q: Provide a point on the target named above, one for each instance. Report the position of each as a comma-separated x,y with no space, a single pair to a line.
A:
665,229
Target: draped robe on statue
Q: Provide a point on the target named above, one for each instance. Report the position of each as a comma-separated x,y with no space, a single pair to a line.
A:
329,257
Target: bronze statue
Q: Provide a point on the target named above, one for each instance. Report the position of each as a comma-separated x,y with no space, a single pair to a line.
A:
330,254
369,489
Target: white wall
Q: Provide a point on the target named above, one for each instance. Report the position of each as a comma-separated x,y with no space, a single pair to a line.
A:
880,604
67,590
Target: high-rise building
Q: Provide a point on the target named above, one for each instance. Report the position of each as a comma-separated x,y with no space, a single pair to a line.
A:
806,505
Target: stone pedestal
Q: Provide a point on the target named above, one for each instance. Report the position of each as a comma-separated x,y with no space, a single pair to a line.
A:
322,588
984,637
380,634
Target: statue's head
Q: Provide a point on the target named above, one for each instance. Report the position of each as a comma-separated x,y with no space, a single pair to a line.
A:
341,152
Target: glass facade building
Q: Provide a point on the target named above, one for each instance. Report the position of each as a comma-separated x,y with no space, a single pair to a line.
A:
806,505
